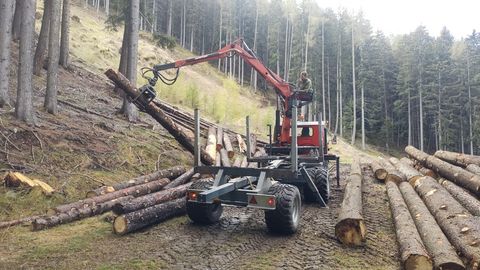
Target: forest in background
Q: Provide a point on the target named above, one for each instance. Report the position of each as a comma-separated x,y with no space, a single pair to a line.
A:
419,88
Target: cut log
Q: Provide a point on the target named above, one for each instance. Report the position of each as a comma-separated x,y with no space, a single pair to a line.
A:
437,244
219,138
211,148
242,146
378,170
412,251
410,173
259,153
350,229
228,145
460,227
428,172
238,161
16,179
170,173
473,169
139,219
393,174
408,161
76,214
150,200
182,179
244,163
160,116
458,159
136,191
253,144
224,158
218,159
462,196
21,221
453,173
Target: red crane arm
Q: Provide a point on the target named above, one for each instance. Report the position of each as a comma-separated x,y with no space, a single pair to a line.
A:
238,47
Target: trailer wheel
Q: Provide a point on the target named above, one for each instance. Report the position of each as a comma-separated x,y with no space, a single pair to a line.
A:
203,213
285,219
320,178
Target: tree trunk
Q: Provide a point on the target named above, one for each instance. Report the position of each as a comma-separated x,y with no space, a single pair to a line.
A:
11,223
24,105
220,33
50,103
354,128
410,173
460,227
363,119
224,158
350,228
17,20
150,200
238,161
218,159
470,123
407,161
456,174
228,145
6,18
412,251
324,109
473,169
182,179
329,123
219,140
470,203
74,214
458,158
409,112
253,144
170,173
43,40
211,148
428,172
135,191
65,39
158,115
392,173
378,170
136,220
244,163
340,101
169,20
128,109
421,112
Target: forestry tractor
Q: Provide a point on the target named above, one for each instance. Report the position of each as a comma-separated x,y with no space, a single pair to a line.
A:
295,166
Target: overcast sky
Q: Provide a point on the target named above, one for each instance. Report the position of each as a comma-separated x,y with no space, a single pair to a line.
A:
403,16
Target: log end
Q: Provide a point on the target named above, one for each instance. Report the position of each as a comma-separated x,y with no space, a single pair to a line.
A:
394,178
452,266
118,209
91,194
416,261
231,154
39,224
351,232
51,212
381,174
413,180
120,225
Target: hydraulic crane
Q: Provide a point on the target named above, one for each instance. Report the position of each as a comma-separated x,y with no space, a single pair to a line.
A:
296,166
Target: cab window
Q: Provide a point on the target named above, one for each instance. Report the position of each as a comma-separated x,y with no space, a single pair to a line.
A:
305,132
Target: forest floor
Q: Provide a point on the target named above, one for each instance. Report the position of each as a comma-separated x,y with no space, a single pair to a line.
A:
87,145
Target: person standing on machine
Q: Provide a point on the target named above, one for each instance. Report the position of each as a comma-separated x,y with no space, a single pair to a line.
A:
304,84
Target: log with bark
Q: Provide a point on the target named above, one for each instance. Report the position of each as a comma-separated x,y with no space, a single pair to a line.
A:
412,251
458,159
136,191
350,228
437,244
242,146
170,173
462,196
224,158
150,199
410,173
76,214
182,179
211,148
253,144
392,173
20,221
428,172
473,169
238,161
408,161
228,145
460,227
153,110
151,215
379,170
244,163
219,139
453,173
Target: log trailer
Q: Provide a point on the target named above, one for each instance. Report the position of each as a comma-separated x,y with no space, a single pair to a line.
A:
295,167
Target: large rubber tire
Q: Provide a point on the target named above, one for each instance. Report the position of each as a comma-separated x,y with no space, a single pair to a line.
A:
319,176
285,219
203,213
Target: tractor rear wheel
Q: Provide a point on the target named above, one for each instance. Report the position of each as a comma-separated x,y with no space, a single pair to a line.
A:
203,213
285,219
319,176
